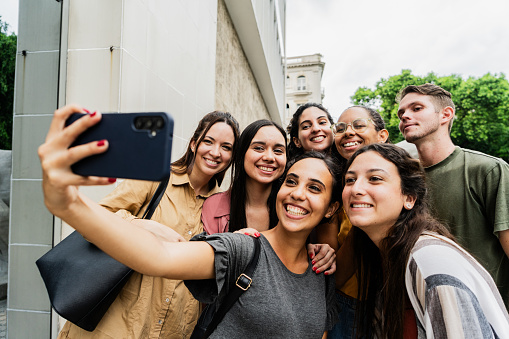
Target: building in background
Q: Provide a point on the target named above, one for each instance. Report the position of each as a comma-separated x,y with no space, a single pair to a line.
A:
184,57
303,82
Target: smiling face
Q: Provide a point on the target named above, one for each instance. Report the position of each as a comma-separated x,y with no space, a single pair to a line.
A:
305,196
265,158
418,117
214,153
314,130
348,142
372,196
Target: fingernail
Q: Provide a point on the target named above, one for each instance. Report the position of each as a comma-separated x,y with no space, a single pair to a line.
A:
93,114
326,273
313,262
112,180
100,143
317,271
86,110
246,233
311,255
257,234
314,269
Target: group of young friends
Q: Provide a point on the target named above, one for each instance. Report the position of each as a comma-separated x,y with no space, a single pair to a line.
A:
349,247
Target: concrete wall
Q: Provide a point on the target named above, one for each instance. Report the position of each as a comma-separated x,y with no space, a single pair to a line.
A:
237,91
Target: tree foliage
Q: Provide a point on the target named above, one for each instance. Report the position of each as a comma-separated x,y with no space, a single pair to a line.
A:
7,69
482,108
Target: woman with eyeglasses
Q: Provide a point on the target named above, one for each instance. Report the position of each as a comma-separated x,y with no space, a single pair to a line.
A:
357,126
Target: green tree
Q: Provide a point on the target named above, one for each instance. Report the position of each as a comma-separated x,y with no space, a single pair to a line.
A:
7,69
482,108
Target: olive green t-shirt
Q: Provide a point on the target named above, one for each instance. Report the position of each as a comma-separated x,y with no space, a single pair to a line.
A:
469,192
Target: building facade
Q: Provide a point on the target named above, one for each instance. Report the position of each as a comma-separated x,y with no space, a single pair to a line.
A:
303,82
186,57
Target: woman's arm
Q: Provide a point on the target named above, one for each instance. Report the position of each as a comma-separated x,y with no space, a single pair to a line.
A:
128,243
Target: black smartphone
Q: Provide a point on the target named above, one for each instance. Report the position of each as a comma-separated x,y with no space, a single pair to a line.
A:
139,146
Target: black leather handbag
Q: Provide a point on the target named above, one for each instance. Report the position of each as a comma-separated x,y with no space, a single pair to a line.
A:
82,281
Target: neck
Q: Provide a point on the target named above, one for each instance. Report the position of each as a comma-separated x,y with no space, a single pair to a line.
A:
257,193
199,182
290,247
432,151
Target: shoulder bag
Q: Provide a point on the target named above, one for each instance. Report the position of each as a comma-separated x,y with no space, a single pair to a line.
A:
210,318
82,281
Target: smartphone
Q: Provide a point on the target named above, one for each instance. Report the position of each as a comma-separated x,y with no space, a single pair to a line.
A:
139,146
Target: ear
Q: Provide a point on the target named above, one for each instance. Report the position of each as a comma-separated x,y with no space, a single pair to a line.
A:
447,115
409,202
383,135
192,146
332,209
296,141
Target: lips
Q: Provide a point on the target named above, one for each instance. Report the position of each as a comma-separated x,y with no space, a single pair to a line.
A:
319,138
351,144
266,169
211,162
294,210
361,205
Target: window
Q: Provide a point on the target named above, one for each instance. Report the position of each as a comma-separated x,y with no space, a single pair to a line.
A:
301,83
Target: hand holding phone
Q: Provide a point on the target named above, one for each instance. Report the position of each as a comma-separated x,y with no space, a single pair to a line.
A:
139,146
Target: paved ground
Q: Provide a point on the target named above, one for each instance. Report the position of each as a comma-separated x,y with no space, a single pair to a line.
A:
3,319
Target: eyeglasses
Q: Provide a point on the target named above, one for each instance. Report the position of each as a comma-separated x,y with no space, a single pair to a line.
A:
358,125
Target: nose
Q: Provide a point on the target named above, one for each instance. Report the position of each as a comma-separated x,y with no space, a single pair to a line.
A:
215,151
349,130
315,127
268,155
298,192
357,189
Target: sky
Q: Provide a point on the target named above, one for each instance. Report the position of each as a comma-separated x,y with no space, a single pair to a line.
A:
363,41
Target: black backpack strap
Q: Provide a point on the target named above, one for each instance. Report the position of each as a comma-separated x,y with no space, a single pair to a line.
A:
242,284
156,198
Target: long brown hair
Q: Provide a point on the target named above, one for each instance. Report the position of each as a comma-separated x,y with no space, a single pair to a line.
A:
186,162
382,277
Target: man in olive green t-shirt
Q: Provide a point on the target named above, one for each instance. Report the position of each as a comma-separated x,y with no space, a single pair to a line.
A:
469,190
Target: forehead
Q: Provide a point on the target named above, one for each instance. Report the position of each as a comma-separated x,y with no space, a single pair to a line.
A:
269,134
353,113
415,98
372,160
311,168
312,113
221,130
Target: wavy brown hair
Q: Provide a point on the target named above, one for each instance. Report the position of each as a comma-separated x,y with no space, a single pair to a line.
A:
382,270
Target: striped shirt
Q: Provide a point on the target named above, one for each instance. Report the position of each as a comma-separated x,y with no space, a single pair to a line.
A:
452,294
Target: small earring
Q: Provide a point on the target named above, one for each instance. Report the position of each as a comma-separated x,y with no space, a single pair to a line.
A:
409,206
327,215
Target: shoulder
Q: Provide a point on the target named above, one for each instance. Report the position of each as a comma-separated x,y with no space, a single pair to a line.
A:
217,200
233,246
476,158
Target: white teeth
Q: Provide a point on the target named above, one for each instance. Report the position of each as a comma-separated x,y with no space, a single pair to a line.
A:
267,169
295,210
317,139
361,205
353,143
211,162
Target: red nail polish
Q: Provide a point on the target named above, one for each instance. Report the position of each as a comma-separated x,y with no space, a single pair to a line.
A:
257,234
100,143
246,233
86,110
314,269
93,114
311,255
112,180
317,271
326,273
313,262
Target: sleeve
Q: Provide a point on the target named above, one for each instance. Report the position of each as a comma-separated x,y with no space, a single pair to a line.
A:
232,254
496,190
332,305
129,198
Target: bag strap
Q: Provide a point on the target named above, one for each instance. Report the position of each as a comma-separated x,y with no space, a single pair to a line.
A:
242,284
156,198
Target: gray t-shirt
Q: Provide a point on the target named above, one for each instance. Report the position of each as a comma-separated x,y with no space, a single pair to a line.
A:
278,304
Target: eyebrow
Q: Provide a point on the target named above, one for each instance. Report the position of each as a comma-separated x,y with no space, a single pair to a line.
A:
225,142
413,103
264,143
311,179
370,171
